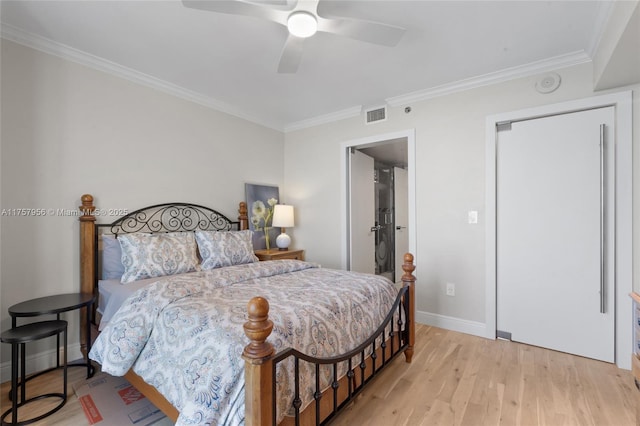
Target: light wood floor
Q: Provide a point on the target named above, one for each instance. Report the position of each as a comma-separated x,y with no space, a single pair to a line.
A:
70,414
459,379
455,379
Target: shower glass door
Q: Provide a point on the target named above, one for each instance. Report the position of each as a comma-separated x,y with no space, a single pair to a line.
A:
385,234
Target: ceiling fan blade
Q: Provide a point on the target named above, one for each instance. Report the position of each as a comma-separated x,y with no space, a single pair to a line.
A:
291,55
371,32
239,7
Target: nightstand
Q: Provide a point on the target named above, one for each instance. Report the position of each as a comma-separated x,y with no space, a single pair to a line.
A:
55,305
275,254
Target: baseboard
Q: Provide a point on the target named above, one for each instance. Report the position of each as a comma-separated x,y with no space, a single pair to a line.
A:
40,361
451,323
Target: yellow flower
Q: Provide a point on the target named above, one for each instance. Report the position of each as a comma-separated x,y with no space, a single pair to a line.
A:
262,213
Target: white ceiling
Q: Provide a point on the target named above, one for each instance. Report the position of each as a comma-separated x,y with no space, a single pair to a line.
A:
230,62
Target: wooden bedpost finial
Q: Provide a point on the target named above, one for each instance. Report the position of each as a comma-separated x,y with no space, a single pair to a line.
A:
88,250
243,217
409,282
257,329
87,208
408,267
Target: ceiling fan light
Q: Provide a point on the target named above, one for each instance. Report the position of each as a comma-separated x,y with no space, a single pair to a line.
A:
302,24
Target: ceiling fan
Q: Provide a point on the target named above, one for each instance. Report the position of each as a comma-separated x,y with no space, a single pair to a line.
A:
302,20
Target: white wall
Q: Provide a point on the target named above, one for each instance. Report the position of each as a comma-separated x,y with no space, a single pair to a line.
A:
1,127
69,130
450,180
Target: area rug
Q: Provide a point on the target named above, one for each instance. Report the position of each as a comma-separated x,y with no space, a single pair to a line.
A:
113,401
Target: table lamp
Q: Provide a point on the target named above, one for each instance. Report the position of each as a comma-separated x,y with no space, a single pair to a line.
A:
283,218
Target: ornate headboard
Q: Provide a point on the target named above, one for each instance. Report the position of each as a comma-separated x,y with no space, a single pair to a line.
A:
168,217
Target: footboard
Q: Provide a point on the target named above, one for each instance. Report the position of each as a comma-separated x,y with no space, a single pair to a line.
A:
394,336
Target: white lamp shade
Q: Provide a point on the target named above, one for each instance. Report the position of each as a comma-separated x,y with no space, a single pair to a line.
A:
282,216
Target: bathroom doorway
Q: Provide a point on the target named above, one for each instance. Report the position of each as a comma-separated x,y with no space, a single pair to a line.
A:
378,205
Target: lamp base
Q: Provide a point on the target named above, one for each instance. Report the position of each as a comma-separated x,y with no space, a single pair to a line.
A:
283,241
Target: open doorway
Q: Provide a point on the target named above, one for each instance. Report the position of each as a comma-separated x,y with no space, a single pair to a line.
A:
379,183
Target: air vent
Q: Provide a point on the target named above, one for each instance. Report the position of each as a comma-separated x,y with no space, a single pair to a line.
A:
375,115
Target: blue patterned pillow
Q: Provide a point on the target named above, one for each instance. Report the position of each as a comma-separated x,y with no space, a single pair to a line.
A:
225,248
157,255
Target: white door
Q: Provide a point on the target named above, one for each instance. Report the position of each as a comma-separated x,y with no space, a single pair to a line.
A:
555,245
401,203
362,213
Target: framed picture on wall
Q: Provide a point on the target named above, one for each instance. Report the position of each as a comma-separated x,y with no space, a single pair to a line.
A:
260,202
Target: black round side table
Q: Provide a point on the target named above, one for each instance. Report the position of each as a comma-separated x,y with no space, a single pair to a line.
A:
17,337
56,305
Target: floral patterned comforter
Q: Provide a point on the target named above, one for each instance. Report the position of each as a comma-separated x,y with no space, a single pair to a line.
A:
184,335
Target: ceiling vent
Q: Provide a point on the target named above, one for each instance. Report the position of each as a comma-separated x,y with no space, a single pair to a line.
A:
375,115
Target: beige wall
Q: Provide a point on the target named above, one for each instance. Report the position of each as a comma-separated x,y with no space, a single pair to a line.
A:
69,130
450,180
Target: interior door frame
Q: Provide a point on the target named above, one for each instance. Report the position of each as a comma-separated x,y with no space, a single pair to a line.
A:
622,101
345,148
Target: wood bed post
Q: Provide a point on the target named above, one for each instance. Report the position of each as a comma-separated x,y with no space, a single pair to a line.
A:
408,280
243,217
258,365
87,257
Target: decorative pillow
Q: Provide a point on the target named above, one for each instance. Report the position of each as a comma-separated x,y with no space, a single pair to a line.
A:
157,255
225,248
112,267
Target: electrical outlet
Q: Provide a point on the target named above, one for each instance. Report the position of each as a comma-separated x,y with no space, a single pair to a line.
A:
451,289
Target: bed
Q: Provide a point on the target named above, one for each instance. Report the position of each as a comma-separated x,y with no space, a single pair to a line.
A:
238,341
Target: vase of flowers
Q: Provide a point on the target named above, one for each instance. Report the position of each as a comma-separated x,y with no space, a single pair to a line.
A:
262,216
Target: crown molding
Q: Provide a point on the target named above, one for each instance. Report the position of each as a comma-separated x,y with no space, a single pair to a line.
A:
533,68
605,10
51,47
324,119
45,45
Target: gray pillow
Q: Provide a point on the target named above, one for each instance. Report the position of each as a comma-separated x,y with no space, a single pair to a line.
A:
112,267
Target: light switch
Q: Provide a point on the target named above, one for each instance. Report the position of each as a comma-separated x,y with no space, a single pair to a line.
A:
473,216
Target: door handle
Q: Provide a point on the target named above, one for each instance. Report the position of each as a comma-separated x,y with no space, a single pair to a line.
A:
400,227
602,221
376,228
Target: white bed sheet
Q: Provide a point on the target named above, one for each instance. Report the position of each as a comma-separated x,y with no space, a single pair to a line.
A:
113,294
